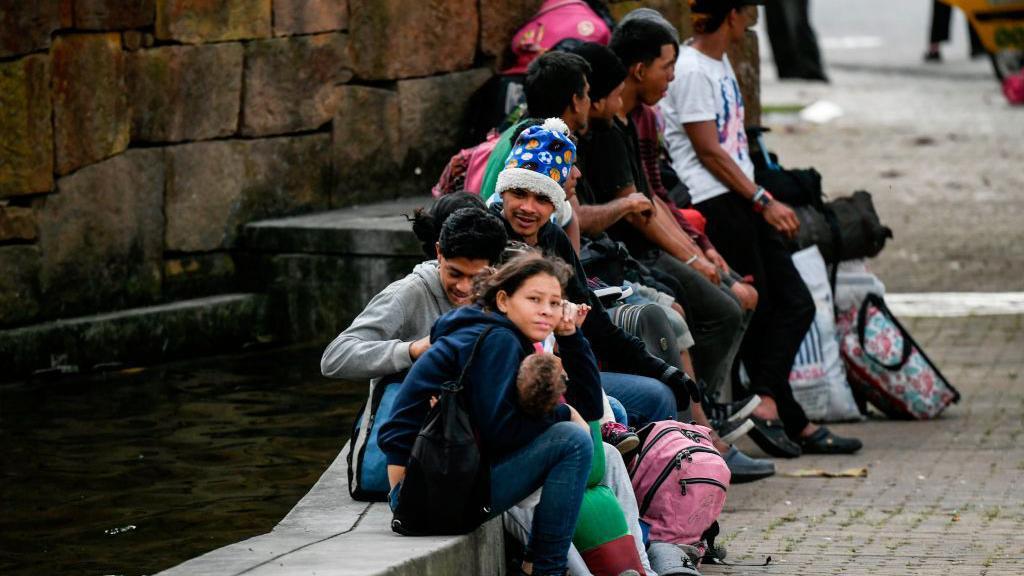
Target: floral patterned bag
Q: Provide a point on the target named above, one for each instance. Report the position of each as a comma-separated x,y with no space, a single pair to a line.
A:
884,363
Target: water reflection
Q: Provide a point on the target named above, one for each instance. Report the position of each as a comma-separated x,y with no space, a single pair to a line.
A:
135,471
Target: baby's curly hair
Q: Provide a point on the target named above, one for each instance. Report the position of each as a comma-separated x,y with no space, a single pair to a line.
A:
540,383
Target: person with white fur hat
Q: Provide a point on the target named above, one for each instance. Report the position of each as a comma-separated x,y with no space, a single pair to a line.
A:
539,165
531,189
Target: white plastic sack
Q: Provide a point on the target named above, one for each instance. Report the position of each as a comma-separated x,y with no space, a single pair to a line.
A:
818,377
853,283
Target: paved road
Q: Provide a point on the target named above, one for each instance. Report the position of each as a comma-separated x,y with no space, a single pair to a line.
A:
941,497
882,33
936,145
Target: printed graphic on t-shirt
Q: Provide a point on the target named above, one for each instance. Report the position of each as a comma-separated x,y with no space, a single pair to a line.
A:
731,133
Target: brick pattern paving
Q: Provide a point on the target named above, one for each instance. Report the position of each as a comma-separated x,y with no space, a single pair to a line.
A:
941,497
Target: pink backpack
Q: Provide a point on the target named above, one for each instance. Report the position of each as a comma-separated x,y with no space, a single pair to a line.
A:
465,171
555,21
680,481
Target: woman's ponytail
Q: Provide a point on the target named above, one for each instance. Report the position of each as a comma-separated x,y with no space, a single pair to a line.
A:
427,224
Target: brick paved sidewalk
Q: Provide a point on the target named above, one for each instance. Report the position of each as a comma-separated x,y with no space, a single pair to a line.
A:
941,497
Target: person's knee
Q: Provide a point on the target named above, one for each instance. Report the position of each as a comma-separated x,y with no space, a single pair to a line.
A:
730,316
661,400
667,406
573,439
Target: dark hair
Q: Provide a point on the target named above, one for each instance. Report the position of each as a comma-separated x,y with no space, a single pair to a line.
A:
540,383
426,223
708,17
607,71
640,40
473,233
552,79
512,274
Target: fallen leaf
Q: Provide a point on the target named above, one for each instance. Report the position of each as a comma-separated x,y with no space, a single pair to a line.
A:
819,473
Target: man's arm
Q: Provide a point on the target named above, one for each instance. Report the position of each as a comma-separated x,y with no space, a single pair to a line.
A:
663,231
596,218
704,137
370,347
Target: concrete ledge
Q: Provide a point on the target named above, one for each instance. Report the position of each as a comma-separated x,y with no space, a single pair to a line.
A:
369,230
321,269
202,326
327,533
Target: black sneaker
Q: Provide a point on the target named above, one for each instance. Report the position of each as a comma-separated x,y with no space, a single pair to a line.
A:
624,439
730,432
730,411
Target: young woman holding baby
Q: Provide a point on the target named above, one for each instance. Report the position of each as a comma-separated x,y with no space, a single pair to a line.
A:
523,302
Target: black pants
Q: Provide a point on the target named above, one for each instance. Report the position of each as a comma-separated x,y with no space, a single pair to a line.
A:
714,316
785,309
941,14
794,44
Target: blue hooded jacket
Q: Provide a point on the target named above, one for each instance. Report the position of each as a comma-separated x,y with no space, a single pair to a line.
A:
491,397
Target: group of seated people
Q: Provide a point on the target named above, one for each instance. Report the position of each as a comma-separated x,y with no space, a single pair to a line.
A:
584,167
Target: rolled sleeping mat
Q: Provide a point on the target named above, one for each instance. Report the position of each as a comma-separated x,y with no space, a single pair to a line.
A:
649,323
668,559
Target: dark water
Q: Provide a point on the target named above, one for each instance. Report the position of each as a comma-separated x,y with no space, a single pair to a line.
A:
135,471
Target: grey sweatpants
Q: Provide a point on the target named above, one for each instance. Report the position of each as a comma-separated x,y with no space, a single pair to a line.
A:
519,518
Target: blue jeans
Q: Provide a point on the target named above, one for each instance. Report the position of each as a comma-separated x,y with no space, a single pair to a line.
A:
618,411
559,461
645,399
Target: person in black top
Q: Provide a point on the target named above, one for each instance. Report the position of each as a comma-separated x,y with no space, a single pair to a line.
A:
612,172
649,388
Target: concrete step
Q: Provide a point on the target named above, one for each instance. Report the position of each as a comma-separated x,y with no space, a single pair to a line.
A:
368,230
328,533
321,269
148,335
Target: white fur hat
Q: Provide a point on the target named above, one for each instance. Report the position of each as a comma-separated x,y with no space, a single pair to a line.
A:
541,161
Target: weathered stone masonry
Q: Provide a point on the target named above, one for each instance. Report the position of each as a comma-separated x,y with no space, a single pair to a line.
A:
137,137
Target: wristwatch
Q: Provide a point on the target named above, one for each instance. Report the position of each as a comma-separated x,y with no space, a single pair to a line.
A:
762,198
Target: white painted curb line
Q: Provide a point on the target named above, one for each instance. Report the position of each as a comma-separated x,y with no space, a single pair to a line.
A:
956,304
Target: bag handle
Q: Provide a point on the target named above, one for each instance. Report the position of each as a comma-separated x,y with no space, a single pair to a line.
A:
908,348
472,354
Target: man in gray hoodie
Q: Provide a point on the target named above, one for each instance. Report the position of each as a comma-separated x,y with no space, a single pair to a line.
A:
394,328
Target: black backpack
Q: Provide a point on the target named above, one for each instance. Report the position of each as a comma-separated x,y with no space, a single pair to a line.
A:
446,489
794,186
846,228
609,261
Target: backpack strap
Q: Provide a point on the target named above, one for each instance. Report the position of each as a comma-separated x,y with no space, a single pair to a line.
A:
875,300
469,362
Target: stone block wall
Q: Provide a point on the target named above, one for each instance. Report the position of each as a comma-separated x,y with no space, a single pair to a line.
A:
137,137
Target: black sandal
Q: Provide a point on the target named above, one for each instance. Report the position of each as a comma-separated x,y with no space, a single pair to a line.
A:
771,436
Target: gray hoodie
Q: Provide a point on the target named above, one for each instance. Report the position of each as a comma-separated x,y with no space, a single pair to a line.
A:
376,344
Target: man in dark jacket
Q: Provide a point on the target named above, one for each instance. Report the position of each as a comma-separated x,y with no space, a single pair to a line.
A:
649,388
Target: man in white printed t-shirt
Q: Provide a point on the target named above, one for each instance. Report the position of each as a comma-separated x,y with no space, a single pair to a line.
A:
704,130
